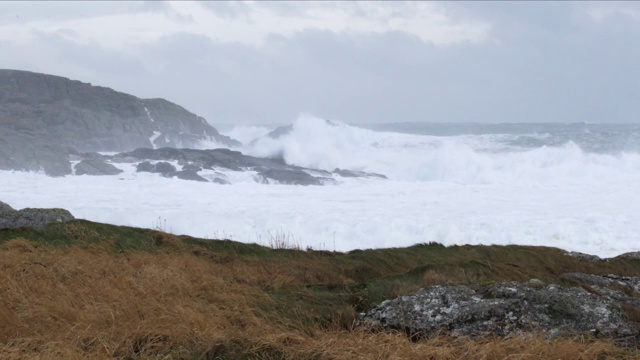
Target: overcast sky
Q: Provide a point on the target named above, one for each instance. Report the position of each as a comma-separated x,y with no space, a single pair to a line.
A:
355,62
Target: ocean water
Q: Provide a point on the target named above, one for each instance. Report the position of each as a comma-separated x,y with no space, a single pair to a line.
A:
573,186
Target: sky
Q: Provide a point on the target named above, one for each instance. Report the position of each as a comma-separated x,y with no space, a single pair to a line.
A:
355,62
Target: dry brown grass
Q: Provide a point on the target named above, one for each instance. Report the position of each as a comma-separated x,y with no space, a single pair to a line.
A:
194,303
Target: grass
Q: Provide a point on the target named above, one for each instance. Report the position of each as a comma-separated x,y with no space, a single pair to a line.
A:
87,290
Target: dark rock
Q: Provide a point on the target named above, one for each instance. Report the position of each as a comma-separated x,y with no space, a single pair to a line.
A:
145,166
191,167
502,309
164,168
359,174
269,170
187,175
160,167
95,167
289,177
36,218
220,181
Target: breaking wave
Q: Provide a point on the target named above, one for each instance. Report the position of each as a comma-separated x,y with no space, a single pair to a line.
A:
469,159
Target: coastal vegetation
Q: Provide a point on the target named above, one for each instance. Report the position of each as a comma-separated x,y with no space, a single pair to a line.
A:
81,289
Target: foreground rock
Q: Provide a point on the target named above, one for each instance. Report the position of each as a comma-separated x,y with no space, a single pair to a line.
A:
36,218
503,309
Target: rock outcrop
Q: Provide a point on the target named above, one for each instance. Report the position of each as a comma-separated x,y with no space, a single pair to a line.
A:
268,170
45,118
36,218
506,308
95,167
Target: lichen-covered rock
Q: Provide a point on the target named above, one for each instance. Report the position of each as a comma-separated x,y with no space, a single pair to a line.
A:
623,289
4,207
502,309
36,218
630,255
95,167
588,257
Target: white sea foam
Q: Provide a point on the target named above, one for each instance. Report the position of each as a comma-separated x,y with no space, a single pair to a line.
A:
247,133
471,189
316,143
597,219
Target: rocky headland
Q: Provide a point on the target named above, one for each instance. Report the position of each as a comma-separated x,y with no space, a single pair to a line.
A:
60,126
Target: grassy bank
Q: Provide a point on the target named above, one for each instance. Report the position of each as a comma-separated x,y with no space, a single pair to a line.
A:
88,290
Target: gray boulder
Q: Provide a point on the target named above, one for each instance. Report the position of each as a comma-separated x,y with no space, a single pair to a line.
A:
588,257
630,255
95,167
289,177
355,174
502,309
145,166
191,167
160,168
36,218
164,168
187,175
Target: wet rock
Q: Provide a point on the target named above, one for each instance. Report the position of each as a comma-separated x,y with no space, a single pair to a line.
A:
360,174
36,218
502,309
164,168
95,167
159,168
289,177
268,170
191,167
145,166
187,175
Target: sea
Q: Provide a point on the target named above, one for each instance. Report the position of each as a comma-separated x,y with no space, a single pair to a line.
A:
572,186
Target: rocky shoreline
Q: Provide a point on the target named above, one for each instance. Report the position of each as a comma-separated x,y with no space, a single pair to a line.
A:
59,126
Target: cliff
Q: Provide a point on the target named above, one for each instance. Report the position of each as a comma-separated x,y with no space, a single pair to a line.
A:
44,118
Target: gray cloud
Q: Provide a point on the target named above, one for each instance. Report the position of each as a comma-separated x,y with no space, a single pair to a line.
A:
26,11
549,62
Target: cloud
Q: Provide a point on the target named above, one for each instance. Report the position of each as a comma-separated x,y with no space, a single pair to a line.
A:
246,22
533,62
